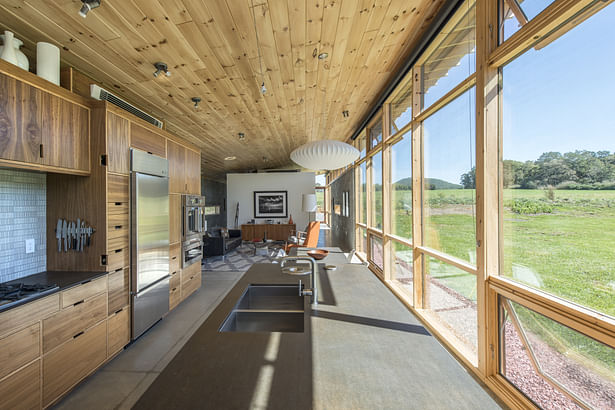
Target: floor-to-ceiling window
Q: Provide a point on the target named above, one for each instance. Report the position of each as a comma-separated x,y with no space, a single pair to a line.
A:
494,220
557,217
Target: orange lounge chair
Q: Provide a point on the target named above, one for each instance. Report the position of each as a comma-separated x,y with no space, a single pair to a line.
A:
311,237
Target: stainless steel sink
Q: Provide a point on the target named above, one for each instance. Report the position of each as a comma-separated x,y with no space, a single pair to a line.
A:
259,321
271,297
267,308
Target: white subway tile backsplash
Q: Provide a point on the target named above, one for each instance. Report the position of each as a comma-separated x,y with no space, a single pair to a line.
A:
23,200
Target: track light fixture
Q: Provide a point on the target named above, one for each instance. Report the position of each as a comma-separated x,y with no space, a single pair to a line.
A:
87,6
161,68
345,113
263,89
196,101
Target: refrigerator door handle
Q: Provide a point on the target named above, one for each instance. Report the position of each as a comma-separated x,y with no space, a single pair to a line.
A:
150,287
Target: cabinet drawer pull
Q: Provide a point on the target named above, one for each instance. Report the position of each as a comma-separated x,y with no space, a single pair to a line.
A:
117,250
118,311
40,147
119,269
117,227
78,334
78,303
86,281
118,204
174,289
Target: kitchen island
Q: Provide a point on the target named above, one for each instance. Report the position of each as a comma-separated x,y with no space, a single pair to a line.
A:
360,348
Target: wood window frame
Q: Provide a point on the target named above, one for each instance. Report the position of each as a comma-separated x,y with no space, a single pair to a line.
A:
551,23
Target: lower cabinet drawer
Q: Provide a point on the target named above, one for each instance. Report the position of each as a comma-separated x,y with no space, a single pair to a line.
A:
117,237
22,389
191,279
69,322
175,280
175,296
118,289
74,360
175,257
117,258
118,331
19,348
84,291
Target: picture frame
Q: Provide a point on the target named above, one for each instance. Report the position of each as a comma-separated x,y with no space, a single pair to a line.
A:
270,204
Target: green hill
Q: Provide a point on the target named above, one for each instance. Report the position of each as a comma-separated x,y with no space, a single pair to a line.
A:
430,183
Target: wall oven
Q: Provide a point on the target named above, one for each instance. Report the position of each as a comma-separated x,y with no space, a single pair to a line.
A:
193,219
193,228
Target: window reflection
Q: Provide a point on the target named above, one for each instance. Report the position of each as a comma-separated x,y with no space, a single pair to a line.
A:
451,57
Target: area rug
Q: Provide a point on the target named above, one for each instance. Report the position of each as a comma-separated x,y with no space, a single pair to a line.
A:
238,260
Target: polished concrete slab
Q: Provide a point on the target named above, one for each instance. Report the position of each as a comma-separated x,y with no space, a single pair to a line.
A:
121,382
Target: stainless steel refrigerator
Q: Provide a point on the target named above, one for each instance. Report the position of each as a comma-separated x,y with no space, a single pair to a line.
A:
149,186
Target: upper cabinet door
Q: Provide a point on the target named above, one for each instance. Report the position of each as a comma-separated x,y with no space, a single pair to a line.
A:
176,155
193,172
66,134
146,140
118,144
20,121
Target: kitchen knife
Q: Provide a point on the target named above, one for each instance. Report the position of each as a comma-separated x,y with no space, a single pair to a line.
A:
59,235
70,235
78,235
82,235
65,234
89,230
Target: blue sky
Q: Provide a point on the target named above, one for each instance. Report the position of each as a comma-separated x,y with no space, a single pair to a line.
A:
560,98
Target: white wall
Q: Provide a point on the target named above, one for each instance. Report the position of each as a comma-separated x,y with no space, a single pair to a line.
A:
240,189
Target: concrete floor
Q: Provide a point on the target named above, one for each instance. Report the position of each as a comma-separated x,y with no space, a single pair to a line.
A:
120,383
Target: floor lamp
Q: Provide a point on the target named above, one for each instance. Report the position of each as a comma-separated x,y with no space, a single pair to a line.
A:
309,205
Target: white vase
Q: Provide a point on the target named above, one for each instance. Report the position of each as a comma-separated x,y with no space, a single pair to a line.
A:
22,60
8,53
48,62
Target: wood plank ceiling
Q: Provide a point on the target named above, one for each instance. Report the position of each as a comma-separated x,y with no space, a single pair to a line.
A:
211,49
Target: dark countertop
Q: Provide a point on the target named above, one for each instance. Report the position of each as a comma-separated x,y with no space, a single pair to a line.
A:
361,348
63,279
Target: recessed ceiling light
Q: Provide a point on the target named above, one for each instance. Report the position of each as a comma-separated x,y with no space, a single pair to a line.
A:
242,136
322,56
231,158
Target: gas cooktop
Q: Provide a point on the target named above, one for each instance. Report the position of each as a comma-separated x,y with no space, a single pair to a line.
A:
17,293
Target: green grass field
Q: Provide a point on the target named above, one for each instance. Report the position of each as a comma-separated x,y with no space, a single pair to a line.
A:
568,252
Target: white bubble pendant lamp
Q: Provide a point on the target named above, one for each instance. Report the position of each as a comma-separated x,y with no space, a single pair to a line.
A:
324,154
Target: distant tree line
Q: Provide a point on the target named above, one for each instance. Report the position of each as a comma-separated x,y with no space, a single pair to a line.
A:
572,170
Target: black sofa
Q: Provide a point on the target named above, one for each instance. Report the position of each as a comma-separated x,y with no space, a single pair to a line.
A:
217,243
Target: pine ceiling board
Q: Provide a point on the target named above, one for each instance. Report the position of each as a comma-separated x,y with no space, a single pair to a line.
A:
96,24
212,53
276,95
280,26
56,33
176,11
360,19
166,37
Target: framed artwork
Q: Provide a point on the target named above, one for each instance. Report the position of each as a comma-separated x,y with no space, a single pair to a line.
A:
271,204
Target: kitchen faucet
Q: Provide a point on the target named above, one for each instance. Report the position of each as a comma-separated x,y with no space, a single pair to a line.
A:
313,292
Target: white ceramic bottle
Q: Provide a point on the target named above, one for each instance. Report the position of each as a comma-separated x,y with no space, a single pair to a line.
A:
22,60
8,52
